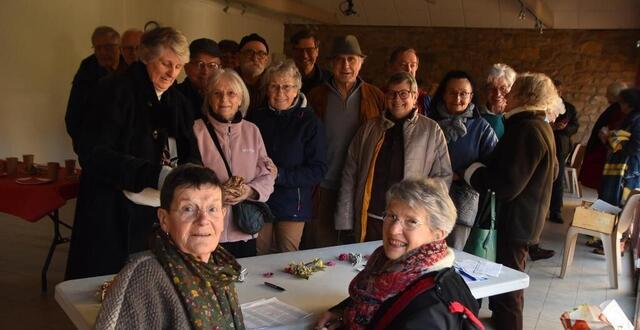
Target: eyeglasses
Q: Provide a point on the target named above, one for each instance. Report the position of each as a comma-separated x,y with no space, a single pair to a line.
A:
403,94
107,47
193,212
251,53
407,224
221,94
504,90
308,50
273,88
462,95
212,66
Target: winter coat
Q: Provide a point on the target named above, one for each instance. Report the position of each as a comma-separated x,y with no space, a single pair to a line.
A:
84,82
425,155
295,141
121,150
244,150
521,171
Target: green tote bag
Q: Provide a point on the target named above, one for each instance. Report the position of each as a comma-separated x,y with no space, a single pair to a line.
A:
483,242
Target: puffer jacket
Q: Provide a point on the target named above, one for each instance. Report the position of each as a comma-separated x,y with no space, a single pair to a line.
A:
425,152
244,149
295,141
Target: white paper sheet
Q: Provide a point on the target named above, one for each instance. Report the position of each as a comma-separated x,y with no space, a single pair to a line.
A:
477,269
602,206
270,312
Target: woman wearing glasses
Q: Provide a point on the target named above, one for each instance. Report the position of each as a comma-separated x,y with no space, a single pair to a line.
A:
233,148
469,138
295,140
398,144
409,282
185,281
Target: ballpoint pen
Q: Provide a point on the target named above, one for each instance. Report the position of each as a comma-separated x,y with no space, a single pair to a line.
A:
465,274
273,286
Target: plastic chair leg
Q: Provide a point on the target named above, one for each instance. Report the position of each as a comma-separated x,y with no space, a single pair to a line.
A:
569,250
609,254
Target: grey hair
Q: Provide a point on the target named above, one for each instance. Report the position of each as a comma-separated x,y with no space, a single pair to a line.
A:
401,77
237,85
501,70
154,41
287,68
105,31
614,89
556,109
535,90
430,195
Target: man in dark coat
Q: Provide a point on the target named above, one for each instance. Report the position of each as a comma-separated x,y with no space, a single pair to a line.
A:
205,59
140,128
104,60
305,46
565,126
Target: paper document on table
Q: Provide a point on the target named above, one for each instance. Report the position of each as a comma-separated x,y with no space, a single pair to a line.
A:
270,312
479,268
603,206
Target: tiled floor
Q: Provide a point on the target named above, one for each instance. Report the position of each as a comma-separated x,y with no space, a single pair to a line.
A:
23,247
586,280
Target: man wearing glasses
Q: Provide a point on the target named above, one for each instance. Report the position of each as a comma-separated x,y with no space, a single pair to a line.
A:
254,58
204,60
130,44
104,60
406,59
305,54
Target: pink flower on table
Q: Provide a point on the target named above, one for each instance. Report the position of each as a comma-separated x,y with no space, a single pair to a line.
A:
343,257
330,263
267,274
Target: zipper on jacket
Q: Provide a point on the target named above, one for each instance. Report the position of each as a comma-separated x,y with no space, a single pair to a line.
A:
299,200
229,144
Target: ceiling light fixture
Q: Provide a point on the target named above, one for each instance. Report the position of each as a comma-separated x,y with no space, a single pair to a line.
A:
523,12
226,8
346,8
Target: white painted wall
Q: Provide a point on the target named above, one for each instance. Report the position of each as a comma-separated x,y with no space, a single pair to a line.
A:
43,42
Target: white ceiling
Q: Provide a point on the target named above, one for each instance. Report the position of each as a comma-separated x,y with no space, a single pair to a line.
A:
568,14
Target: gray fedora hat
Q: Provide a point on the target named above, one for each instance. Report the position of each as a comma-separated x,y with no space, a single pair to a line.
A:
346,45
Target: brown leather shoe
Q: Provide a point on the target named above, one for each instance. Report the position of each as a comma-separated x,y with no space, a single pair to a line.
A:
536,253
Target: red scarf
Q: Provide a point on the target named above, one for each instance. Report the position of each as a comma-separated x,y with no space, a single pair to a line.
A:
382,279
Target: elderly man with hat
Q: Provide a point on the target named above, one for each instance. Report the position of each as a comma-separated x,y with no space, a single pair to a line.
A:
254,58
343,103
203,62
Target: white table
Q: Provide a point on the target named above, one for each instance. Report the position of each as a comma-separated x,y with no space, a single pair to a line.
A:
323,290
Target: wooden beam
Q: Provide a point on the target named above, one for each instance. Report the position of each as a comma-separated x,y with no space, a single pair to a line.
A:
541,10
292,8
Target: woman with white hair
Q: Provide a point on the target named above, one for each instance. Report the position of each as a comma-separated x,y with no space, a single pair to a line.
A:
520,171
498,84
295,139
233,148
409,282
138,129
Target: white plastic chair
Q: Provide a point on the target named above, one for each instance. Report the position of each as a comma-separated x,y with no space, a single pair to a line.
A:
572,170
610,242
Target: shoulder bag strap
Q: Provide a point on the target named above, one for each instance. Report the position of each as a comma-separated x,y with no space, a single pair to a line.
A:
214,136
406,297
493,210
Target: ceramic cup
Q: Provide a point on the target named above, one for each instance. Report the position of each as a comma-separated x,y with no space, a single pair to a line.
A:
12,166
52,170
28,162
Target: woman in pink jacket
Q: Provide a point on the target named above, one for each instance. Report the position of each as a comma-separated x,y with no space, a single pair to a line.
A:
241,145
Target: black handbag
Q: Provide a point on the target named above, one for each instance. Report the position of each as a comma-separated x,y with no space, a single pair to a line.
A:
249,216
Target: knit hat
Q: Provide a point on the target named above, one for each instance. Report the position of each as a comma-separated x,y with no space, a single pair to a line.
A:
204,45
253,37
346,45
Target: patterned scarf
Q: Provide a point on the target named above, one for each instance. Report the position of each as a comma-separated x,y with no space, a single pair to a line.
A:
453,126
383,278
206,290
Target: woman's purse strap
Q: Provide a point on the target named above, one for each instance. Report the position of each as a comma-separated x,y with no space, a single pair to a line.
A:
493,209
214,136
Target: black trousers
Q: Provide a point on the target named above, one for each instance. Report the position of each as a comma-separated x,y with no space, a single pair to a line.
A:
557,190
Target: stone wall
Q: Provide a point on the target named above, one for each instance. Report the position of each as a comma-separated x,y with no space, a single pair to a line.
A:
586,61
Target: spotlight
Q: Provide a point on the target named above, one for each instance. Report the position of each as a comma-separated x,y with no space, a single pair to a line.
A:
226,8
522,13
346,7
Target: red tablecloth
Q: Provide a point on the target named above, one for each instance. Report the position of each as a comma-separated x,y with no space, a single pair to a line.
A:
33,202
